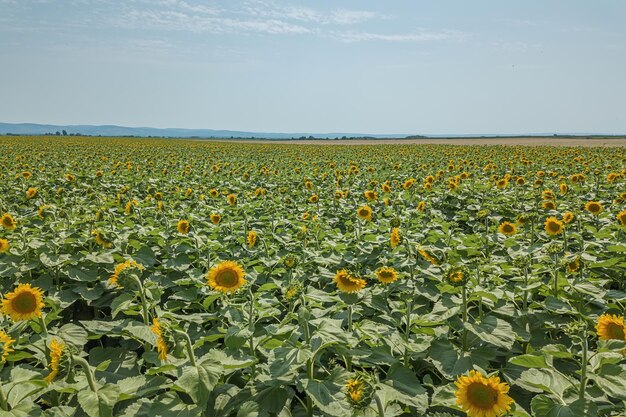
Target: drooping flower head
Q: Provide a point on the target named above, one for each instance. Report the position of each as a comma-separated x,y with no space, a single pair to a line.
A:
129,264
5,346
347,283
157,329
56,353
251,239
395,238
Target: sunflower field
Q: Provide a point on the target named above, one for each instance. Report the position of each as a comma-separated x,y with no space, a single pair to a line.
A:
153,277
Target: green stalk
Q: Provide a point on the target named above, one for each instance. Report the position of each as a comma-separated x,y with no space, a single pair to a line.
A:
44,328
88,373
583,368
188,345
379,406
464,318
142,296
350,318
525,289
556,275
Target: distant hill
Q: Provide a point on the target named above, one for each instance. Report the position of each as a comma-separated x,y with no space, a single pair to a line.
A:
112,130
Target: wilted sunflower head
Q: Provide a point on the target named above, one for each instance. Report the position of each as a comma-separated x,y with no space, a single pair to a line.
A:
226,277
23,303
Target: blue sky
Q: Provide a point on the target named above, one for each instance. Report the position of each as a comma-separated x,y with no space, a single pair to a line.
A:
387,66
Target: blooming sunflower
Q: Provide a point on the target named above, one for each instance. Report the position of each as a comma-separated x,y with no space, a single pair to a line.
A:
183,227
594,207
4,245
370,195
56,352
507,228
347,283
232,199
548,205
553,226
386,274
215,218
395,238
314,198
427,256
31,192
621,217
365,213
119,268
8,222
101,240
161,345
610,327
421,206
563,187
5,345
568,217
251,239
226,277
24,303
480,396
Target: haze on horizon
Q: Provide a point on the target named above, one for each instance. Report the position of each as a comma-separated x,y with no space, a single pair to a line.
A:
407,66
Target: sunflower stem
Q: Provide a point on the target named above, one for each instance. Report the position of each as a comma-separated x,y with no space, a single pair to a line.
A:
188,345
525,288
44,328
350,318
583,368
88,373
144,304
464,294
556,275
379,406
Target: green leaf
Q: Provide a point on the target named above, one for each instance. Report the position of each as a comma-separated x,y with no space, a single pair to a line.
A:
494,331
99,403
530,361
327,396
402,386
545,406
199,381
611,377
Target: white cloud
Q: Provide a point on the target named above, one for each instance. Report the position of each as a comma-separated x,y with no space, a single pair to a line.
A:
421,36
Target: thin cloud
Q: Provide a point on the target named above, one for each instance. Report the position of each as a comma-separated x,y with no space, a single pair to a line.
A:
422,36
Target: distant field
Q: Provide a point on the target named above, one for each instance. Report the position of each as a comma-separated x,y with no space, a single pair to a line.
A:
527,141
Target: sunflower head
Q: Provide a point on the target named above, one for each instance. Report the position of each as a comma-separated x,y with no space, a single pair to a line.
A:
573,264
158,329
568,217
251,239
31,192
292,291
347,283
23,303
5,346
480,396
370,195
553,226
359,390
610,327
395,237
457,276
232,199
8,222
4,245
290,261
594,207
621,218
365,213
507,228
56,354
226,277
548,205
183,227
427,256
421,206
216,218
121,272
386,274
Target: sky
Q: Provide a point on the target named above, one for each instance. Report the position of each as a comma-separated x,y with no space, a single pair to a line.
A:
359,66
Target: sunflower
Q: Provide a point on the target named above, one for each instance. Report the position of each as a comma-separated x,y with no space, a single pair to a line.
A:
183,227
214,193
215,218
621,217
395,237
386,188
386,274
594,207
101,240
161,345
502,183
427,256
56,353
232,199
563,187
26,174
365,213
314,199
610,327
8,222
119,268
507,228
568,217
347,283
421,206
5,344
31,192
553,226
370,195
4,245
573,265
548,205
355,388
457,276
24,303
251,239
226,277
480,396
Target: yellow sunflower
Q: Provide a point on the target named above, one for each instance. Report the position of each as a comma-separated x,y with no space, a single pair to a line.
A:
365,213
215,218
621,217
119,268
548,205
421,206
251,239
5,345
395,238
568,217
232,199
427,256
8,222
161,345
4,245
553,226
563,187
507,228
480,396
314,198
56,352
386,274
355,388
226,277
31,192
183,227
347,283
594,207
24,303
370,195
610,327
